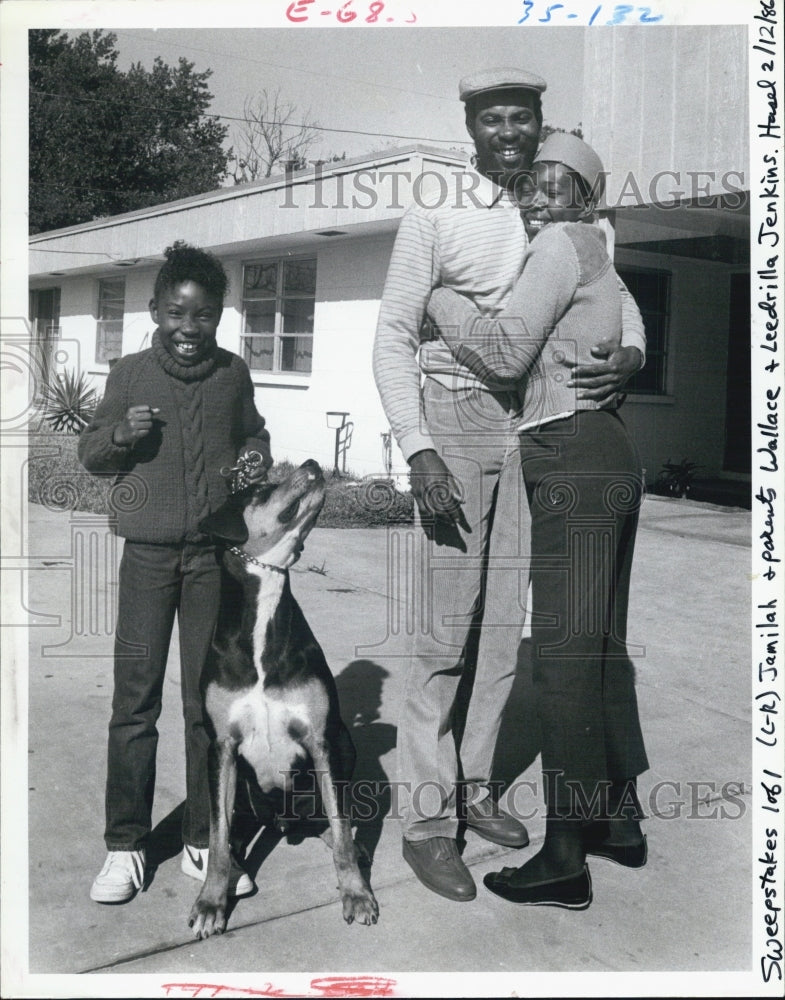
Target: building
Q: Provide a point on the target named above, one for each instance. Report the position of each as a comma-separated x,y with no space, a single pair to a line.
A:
307,253
676,146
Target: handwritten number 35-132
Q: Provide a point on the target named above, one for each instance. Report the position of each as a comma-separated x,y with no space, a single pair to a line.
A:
620,13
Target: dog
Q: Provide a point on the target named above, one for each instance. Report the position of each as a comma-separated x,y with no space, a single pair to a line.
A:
269,695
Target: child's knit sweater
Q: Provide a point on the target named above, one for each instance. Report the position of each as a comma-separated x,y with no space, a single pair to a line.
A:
171,478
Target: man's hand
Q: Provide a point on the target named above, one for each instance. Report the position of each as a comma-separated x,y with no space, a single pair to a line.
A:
435,491
138,423
603,380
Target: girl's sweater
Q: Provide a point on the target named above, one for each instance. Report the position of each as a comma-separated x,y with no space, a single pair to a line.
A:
169,480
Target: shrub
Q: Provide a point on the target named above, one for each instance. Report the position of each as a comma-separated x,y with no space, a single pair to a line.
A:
367,503
58,481
69,403
675,478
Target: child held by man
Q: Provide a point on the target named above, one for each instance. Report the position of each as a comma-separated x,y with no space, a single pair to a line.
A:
172,417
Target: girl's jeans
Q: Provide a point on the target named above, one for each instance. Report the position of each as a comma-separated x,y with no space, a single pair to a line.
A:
155,582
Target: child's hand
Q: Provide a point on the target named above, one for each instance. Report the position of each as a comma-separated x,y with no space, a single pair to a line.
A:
137,424
256,471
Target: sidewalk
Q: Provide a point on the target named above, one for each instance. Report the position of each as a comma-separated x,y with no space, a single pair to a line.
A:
687,910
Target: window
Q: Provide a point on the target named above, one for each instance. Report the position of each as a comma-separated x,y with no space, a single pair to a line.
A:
279,298
651,290
109,329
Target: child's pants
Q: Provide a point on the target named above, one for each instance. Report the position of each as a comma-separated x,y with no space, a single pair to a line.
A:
155,582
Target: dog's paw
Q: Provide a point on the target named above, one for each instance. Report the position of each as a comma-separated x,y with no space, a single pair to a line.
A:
360,906
207,918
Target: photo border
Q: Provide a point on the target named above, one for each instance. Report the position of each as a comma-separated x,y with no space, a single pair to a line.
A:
767,570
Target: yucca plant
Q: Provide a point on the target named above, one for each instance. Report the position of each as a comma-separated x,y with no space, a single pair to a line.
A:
675,478
69,403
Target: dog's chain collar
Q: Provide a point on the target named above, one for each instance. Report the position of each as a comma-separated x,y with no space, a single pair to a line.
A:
252,559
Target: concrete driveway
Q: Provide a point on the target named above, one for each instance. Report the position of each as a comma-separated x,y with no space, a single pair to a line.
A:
687,913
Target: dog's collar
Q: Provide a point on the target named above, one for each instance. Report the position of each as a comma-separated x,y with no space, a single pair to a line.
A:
251,559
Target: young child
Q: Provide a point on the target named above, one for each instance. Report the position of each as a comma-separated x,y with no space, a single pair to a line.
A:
583,481
171,418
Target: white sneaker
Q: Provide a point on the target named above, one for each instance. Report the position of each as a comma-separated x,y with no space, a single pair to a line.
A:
120,878
194,863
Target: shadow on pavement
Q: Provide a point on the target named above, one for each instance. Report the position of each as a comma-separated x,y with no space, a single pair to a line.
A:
360,687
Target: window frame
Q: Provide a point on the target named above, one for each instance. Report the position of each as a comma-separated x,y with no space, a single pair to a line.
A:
278,335
102,323
661,390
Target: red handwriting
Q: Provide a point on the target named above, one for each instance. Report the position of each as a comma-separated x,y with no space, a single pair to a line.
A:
324,986
298,13
353,986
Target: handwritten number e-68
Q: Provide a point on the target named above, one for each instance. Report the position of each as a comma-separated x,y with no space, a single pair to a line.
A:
345,15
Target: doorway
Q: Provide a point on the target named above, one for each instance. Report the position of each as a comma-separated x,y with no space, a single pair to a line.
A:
738,399
45,319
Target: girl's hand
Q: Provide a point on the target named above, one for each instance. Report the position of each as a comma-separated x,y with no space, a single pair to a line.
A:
255,470
137,424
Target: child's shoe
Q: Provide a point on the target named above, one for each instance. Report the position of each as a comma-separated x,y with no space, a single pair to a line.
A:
120,878
194,863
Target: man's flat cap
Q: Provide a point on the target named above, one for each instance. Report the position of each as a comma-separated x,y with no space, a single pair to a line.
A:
499,79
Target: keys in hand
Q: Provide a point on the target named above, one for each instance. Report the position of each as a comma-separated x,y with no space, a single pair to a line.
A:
249,469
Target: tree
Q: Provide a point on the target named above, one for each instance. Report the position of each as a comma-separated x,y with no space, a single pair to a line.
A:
268,137
103,141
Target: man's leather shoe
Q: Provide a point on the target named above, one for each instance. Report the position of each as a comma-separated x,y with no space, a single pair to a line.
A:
626,855
489,821
438,865
570,893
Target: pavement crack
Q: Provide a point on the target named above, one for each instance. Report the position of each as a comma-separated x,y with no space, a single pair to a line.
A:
490,854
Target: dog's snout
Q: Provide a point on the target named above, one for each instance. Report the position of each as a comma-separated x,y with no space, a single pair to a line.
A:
313,469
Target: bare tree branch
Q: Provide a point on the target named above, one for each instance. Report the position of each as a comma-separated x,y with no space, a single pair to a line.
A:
273,133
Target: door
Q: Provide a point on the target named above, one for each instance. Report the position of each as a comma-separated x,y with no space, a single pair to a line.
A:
738,422
45,317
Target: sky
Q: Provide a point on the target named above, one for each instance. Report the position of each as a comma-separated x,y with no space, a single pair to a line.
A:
398,81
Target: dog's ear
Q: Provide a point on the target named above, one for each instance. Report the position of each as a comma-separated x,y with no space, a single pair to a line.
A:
227,523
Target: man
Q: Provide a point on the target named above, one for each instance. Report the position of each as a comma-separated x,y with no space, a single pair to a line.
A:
458,436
